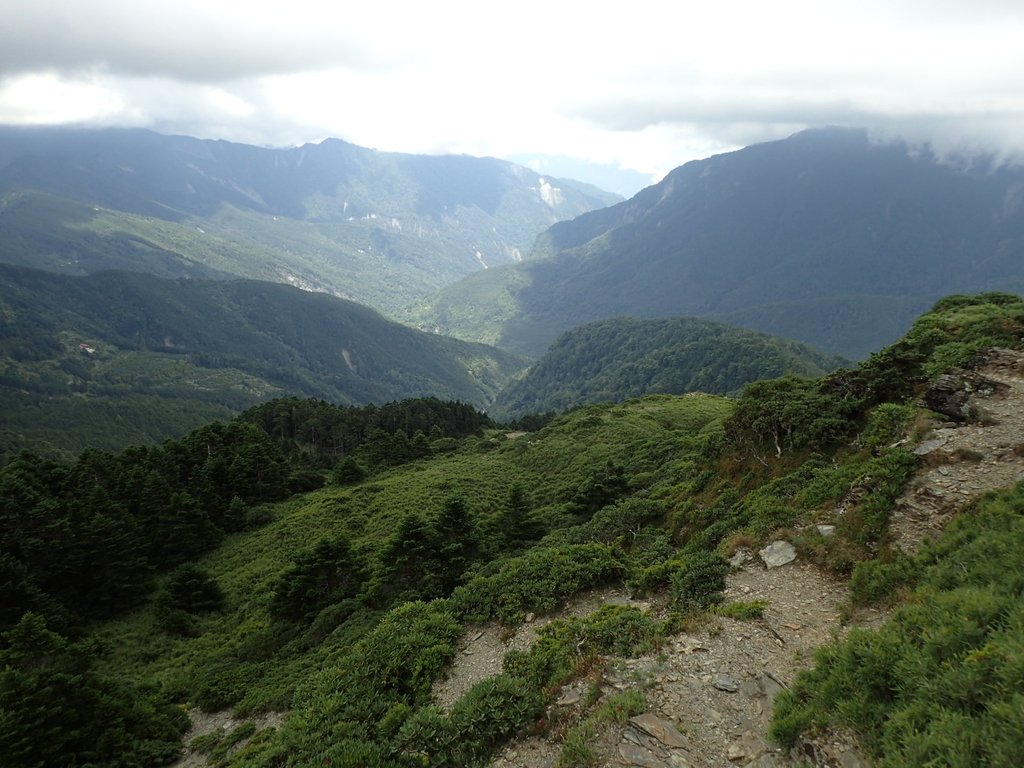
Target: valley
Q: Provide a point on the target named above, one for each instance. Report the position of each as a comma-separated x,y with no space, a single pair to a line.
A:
382,229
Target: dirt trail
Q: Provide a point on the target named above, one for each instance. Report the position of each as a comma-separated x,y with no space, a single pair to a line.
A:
710,693
714,688
223,722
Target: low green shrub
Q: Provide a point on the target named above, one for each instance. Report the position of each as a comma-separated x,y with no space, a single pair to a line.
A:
698,582
616,629
231,740
538,581
654,577
879,581
887,423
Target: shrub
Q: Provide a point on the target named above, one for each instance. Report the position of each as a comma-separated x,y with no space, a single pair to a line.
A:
655,577
616,629
699,581
743,610
887,423
538,581
876,581
491,712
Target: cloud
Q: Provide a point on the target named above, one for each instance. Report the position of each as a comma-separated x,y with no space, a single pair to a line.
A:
646,86
191,41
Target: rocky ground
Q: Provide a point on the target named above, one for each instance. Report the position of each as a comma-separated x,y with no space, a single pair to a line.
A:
222,723
963,460
710,692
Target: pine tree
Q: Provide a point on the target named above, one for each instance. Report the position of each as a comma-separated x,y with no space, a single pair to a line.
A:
515,525
57,710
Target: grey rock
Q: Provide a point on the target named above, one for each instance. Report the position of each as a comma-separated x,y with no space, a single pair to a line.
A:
948,396
750,688
769,686
736,754
826,530
662,730
726,683
778,553
739,558
569,697
930,446
631,754
950,392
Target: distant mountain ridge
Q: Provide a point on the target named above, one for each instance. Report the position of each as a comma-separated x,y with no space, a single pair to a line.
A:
824,237
612,360
382,228
136,348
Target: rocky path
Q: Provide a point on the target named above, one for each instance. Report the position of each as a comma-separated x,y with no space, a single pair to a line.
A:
710,693
962,462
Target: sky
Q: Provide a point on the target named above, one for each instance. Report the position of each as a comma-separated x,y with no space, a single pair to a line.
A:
639,86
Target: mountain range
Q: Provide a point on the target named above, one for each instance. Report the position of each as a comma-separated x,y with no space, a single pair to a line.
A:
826,237
385,229
415,586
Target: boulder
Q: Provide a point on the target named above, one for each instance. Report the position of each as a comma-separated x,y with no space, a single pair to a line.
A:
778,553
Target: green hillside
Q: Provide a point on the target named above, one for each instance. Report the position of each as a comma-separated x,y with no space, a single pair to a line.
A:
824,237
117,358
612,360
323,619
383,229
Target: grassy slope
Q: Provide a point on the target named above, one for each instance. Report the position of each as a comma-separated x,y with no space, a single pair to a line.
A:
711,487
551,464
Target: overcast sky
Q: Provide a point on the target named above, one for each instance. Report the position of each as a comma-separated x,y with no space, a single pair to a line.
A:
641,85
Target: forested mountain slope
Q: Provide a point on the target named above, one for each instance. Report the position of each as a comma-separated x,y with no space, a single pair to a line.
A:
612,360
381,228
324,622
117,357
825,237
